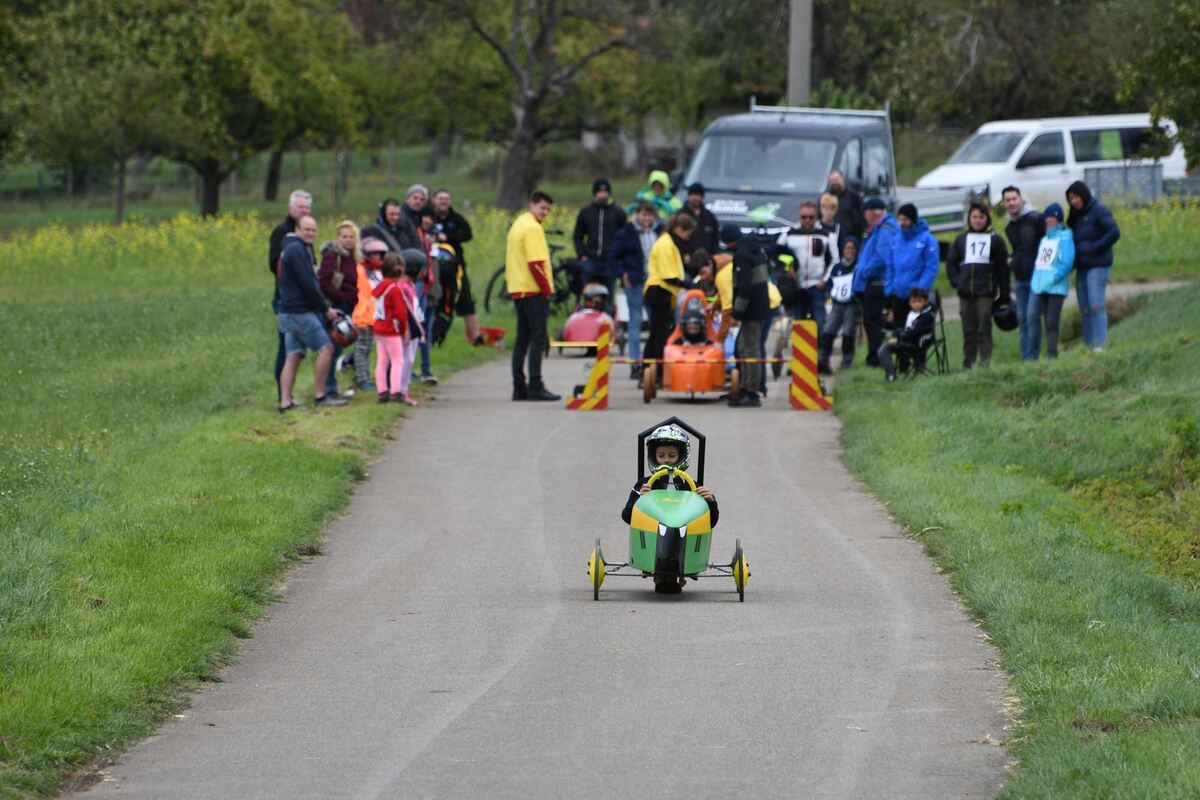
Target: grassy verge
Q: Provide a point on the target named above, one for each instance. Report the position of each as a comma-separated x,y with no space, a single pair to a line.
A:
150,495
1062,500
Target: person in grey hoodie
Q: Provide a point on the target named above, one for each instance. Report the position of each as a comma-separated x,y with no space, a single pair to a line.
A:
1024,230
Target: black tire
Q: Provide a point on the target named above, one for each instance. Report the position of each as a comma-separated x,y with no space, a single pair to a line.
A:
667,587
496,295
737,556
596,584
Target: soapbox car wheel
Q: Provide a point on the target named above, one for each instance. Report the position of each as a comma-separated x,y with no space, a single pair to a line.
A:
596,569
741,570
666,584
649,382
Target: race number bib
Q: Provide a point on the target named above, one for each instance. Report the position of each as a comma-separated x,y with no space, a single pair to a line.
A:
842,288
979,248
1047,253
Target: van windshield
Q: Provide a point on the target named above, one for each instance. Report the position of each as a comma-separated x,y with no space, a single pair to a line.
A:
770,164
987,148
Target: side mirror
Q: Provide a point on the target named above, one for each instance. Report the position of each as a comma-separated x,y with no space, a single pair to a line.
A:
676,176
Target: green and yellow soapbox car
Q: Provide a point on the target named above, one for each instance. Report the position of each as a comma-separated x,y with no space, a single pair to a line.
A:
670,531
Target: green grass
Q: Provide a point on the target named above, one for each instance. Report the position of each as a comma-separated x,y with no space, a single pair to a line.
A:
1062,500
150,495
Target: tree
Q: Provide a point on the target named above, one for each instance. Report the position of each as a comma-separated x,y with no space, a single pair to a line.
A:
1166,74
547,45
99,100
251,74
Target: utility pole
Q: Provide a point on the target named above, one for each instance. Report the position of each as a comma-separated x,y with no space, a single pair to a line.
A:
799,76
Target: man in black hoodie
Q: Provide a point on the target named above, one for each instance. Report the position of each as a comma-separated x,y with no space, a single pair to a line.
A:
452,228
751,305
1024,230
393,228
707,236
595,228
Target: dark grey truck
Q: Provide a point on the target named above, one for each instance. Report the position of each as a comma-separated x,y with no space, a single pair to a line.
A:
771,159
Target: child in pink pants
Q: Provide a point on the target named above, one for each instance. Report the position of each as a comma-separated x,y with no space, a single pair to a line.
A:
391,327
416,328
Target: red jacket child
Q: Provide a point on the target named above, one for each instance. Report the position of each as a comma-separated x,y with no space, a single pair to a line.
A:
391,312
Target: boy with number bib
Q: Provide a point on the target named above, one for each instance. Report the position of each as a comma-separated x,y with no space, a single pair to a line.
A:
1048,287
977,265
844,313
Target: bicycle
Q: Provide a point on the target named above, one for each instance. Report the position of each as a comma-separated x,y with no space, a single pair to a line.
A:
566,276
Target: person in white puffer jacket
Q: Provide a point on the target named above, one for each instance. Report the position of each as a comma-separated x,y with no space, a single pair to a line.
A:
809,247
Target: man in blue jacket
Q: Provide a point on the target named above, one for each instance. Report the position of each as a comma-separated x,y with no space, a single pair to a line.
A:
630,250
914,263
301,307
1095,234
873,265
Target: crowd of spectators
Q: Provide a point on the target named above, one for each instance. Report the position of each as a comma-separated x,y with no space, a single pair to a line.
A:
410,258
847,262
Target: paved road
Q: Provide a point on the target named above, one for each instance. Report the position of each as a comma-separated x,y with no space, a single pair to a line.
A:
447,645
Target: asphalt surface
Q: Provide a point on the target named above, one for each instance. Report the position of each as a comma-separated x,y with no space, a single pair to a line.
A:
447,645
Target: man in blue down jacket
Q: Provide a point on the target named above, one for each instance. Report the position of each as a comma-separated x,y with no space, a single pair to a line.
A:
914,262
870,274
1095,234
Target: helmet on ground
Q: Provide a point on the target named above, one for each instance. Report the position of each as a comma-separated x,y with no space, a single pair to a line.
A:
343,332
668,435
1004,314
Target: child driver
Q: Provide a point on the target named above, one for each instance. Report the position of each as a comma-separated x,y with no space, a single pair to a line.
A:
668,446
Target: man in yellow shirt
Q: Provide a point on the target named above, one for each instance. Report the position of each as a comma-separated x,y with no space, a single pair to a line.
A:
527,278
665,276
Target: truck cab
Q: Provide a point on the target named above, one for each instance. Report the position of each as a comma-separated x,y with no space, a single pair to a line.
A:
775,157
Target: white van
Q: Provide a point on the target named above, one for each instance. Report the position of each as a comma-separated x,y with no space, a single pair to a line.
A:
1042,157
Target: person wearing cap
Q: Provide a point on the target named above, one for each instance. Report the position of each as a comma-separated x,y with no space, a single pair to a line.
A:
527,279
657,191
751,307
595,229
392,227
914,262
369,276
871,273
707,235
1049,285
415,200
977,266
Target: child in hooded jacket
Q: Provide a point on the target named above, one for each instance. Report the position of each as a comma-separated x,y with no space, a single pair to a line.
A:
390,327
1049,285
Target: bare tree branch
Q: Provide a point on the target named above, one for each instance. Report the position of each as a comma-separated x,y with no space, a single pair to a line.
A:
494,43
568,74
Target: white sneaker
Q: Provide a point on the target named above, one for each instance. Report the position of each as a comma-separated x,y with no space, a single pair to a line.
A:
1097,349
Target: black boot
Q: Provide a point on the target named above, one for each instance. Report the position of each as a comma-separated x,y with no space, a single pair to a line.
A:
539,392
847,351
520,392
